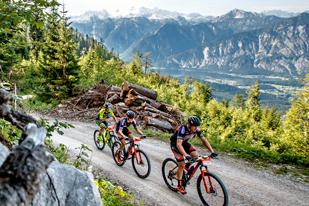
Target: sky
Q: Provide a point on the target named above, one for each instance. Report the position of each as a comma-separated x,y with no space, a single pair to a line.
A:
203,7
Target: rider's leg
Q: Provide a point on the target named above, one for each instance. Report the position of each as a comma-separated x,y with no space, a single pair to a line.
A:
131,141
181,166
193,154
123,143
103,125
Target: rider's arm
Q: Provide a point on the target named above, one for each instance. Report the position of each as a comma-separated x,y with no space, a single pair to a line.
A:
180,147
101,115
115,119
206,143
103,119
120,132
112,114
139,131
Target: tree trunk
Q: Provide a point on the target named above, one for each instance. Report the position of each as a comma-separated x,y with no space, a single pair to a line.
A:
126,86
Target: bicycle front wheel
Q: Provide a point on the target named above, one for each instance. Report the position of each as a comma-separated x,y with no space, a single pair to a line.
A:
120,159
100,143
169,173
212,190
141,164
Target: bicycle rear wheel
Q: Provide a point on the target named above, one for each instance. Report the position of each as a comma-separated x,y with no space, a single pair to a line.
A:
217,194
119,161
99,143
169,173
141,164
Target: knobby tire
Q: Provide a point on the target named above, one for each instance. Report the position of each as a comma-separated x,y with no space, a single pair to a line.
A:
217,197
141,162
115,147
100,144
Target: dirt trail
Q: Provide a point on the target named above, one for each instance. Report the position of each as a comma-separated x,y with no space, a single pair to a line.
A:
246,185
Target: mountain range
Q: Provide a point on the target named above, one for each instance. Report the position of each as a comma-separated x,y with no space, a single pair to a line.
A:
237,42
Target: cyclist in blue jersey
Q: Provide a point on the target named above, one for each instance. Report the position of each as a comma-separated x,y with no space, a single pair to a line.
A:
123,131
182,149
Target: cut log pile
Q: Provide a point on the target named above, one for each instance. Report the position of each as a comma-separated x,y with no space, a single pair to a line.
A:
150,113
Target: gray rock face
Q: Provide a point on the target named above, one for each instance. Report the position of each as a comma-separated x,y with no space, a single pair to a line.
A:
278,48
63,185
4,152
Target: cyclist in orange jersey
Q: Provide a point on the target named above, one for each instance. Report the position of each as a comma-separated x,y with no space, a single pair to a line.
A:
183,149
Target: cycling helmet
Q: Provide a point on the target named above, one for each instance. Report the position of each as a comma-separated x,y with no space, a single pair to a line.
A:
194,121
107,105
130,114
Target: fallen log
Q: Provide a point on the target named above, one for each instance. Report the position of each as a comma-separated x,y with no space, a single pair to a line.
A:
126,86
162,124
154,110
114,99
115,89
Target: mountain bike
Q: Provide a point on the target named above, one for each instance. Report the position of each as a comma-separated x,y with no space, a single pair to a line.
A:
108,138
140,161
210,188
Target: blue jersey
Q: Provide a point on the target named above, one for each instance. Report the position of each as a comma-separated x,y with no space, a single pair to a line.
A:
184,134
123,123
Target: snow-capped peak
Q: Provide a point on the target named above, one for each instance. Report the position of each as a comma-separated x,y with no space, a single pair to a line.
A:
154,13
237,14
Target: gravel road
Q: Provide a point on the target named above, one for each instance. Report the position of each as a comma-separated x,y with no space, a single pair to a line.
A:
246,185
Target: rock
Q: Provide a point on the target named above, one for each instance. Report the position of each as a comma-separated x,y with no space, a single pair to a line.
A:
63,185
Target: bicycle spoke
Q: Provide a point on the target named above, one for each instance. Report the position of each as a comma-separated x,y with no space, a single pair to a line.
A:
169,170
99,142
211,190
141,164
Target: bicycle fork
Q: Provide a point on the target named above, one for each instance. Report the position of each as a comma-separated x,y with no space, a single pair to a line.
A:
140,160
211,189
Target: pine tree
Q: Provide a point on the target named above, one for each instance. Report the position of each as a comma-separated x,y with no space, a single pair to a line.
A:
253,102
137,63
238,101
59,63
296,137
148,62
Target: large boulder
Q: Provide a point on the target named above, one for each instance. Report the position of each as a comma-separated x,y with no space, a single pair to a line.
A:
63,185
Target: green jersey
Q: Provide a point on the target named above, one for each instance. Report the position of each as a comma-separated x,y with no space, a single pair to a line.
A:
103,114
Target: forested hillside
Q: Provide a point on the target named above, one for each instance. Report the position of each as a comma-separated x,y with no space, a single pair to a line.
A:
57,63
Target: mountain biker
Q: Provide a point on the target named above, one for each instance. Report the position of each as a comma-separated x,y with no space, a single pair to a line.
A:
182,149
105,113
123,131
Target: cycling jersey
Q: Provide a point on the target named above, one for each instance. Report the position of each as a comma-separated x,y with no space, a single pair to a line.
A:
184,134
103,114
123,123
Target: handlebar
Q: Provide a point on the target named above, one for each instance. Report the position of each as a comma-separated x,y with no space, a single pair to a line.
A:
196,159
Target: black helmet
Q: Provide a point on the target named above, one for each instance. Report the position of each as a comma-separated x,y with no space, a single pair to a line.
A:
107,105
130,114
194,121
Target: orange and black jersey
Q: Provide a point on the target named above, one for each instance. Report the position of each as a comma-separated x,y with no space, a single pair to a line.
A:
184,134
123,123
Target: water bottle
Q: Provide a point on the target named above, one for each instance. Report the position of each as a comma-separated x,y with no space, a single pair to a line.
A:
190,170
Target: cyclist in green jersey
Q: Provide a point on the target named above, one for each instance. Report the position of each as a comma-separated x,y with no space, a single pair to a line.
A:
105,113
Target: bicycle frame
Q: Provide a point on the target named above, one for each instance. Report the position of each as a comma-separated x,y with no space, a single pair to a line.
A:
201,163
134,147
